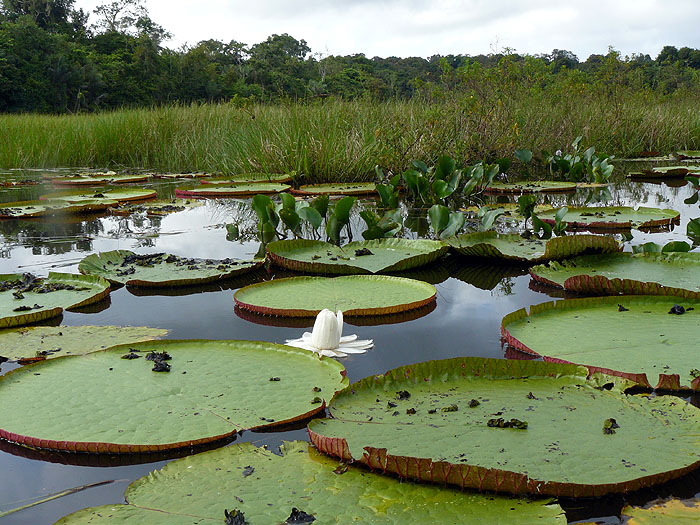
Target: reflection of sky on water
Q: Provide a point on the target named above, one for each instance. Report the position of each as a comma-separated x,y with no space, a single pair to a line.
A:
466,321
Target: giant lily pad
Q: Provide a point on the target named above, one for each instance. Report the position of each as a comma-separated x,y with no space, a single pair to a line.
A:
688,154
634,337
376,256
249,177
513,247
120,195
26,299
511,426
35,343
350,188
102,402
267,486
353,294
536,186
181,175
674,273
161,269
615,218
672,511
234,190
98,180
48,208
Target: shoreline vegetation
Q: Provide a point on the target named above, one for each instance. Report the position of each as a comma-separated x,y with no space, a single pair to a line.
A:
334,140
109,95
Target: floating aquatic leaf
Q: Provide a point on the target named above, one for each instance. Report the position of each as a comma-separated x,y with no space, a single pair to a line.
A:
672,511
98,180
615,218
671,273
351,188
387,255
561,452
162,269
213,390
301,478
35,343
181,175
25,298
233,190
157,207
249,177
353,295
119,194
634,337
514,247
543,186
49,208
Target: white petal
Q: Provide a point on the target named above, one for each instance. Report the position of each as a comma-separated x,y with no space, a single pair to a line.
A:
325,334
347,338
339,317
351,350
301,344
363,343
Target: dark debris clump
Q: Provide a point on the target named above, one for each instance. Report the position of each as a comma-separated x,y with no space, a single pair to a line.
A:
299,516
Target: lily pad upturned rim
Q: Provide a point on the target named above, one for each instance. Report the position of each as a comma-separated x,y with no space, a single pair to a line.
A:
56,208
560,247
248,178
673,218
662,511
117,194
30,317
97,181
167,345
535,186
243,300
350,188
589,283
234,190
469,474
666,382
275,248
91,265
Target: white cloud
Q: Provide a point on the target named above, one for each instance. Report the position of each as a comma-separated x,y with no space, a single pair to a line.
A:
423,28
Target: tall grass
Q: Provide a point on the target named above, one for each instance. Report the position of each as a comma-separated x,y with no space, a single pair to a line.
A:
343,140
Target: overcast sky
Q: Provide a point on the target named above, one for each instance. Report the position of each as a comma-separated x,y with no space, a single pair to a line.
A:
423,28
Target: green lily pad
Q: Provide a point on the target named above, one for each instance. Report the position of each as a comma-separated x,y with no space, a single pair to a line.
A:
513,247
661,172
120,195
511,426
213,390
632,336
535,186
615,218
351,188
161,269
353,294
688,154
250,177
26,299
181,175
234,190
385,255
36,343
157,207
267,486
98,180
49,208
672,512
625,273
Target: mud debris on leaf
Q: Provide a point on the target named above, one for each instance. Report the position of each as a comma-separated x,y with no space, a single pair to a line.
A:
502,423
402,395
363,251
451,408
621,308
610,425
677,309
274,379
131,355
235,517
299,516
158,356
247,471
474,403
161,366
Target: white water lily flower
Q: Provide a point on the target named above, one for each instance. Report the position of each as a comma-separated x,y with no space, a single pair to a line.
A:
327,338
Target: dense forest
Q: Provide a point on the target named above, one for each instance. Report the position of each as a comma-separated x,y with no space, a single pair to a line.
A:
53,60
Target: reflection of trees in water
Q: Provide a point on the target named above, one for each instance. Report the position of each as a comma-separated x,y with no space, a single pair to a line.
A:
50,237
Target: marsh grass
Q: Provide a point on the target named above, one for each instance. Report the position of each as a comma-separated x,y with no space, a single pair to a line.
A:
335,140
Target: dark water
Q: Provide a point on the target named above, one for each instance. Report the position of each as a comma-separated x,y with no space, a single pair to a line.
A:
471,301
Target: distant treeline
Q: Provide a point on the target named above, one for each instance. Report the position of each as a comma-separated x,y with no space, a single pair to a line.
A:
52,61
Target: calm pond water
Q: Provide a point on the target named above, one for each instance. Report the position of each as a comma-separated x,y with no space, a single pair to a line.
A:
471,301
